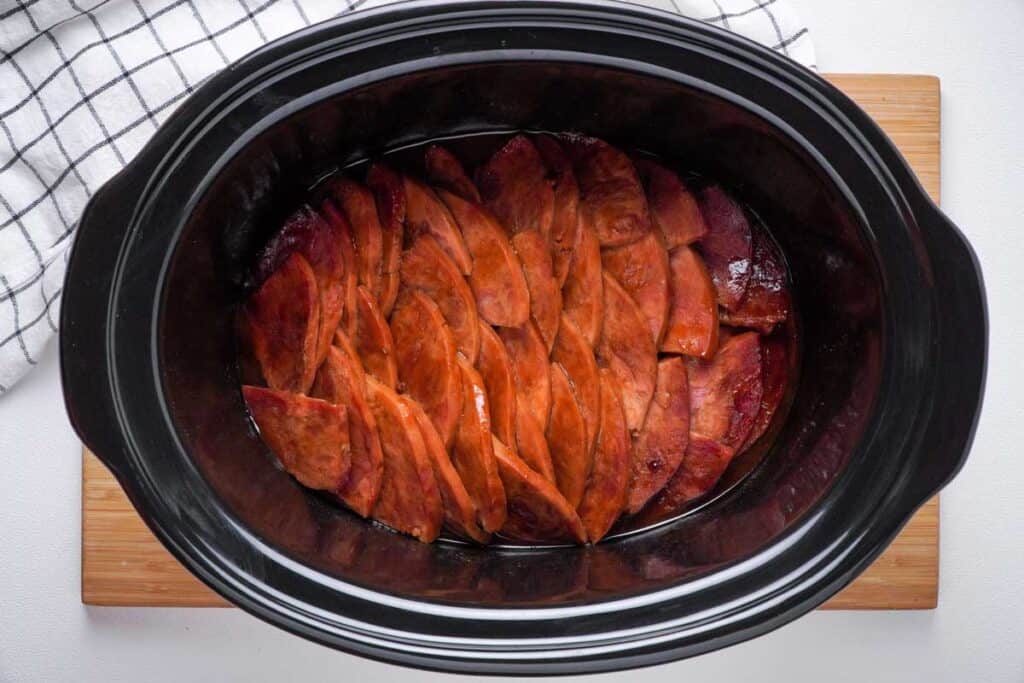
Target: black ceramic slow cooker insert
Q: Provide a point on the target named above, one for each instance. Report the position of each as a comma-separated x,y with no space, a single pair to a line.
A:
889,295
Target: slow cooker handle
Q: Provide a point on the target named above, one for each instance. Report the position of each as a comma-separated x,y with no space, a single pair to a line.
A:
85,367
961,352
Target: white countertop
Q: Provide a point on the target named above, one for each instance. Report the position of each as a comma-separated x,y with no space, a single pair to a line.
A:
46,634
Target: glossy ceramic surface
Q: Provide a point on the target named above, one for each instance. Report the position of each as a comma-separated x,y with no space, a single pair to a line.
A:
890,299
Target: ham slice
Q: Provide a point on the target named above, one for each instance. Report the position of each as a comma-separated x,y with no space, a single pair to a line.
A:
725,400
343,311
529,357
726,246
283,320
582,294
496,277
424,352
341,381
532,444
567,439
343,343
576,357
766,302
631,357
459,511
565,216
692,327
514,186
610,479
537,512
775,369
661,444
446,171
544,294
426,267
373,341
389,194
473,453
496,371
642,270
308,436
323,244
611,196
358,204
410,500
674,209
425,214
725,392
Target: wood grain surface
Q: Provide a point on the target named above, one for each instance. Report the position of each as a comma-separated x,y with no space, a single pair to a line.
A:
123,564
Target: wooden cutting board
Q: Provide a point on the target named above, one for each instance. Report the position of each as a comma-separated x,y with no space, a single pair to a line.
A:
123,564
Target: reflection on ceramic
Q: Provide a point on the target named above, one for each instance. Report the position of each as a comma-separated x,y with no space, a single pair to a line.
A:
890,301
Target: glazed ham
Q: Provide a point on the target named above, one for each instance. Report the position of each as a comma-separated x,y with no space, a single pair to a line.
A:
612,198
308,436
610,479
283,320
564,343
342,382
726,246
514,186
424,353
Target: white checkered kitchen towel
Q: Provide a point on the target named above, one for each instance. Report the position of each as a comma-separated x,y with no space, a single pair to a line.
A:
84,84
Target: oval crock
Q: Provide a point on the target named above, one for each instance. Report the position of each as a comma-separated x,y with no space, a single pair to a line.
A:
845,479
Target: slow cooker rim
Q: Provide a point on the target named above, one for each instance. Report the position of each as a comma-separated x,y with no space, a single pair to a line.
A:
147,504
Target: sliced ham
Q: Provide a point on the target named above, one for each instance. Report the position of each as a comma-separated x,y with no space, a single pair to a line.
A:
631,357
410,500
610,479
692,327
725,392
611,196
766,302
642,270
674,209
661,444
496,371
544,294
473,453
496,277
582,294
426,267
283,320
529,357
425,214
576,357
532,444
460,514
357,202
565,216
326,247
725,400
308,436
424,353
343,306
567,439
776,365
537,512
445,170
373,341
341,381
727,245
514,186
390,199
